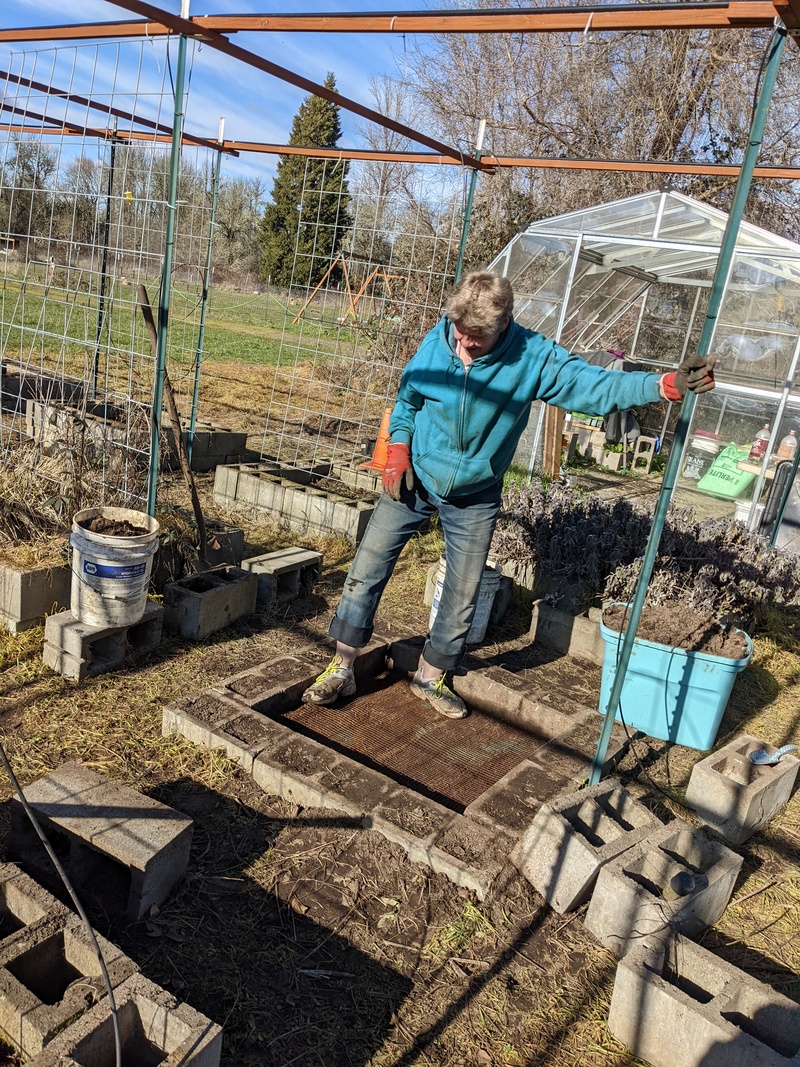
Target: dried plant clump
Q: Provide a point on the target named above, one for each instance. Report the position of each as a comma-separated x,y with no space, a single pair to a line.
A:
709,564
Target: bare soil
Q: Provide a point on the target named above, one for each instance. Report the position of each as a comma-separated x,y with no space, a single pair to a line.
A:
101,524
678,626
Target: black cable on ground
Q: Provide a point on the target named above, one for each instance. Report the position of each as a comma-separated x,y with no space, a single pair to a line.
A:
73,896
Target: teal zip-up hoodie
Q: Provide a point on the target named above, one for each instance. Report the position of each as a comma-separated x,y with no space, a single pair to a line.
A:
464,423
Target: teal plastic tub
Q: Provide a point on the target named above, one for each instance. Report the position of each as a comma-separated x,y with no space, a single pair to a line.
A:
670,693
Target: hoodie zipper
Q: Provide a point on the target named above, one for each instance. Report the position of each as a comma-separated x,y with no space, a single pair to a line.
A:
460,428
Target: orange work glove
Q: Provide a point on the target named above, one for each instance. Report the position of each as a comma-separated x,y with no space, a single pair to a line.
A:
398,467
695,373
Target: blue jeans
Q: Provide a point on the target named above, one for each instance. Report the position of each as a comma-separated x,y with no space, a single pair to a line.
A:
468,524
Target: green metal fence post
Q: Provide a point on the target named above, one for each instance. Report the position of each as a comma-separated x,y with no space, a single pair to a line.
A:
727,248
468,209
166,270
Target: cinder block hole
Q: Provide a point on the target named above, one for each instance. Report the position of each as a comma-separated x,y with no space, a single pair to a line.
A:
288,585
98,1050
29,850
103,879
201,584
590,820
140,636
45,970
107,651
308,576
614,805
670,973
688,850
682,861
656,888
9,921
737,769
774,1025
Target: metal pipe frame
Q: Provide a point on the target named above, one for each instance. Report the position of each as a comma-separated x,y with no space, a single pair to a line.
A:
568,19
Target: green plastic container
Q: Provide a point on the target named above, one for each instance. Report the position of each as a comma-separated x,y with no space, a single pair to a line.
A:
670,693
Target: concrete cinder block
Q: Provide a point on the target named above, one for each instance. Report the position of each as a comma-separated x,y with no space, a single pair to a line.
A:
736,796
284,573
50,977
675,1004
196,717
201,604
79,650
224,544
573,836
276,686
124,850
573,635
154,1028
675,878
23,902
27,595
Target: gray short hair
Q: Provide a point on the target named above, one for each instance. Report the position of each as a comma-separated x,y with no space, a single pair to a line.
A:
481,303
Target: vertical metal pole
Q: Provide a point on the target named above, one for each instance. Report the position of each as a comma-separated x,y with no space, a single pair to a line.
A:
468,210
562,317
204,306
101,300
166,270
721,274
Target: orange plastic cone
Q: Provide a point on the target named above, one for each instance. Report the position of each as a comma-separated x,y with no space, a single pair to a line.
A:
378,461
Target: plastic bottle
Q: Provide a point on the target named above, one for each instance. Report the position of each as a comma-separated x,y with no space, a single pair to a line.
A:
759,447
788,446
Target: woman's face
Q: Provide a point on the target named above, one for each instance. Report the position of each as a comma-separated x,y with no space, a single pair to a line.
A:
475,347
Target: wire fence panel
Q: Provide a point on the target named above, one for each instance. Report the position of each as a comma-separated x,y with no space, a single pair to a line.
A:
84,170
354,316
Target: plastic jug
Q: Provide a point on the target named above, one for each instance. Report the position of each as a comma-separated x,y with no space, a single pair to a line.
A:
758,449
788,446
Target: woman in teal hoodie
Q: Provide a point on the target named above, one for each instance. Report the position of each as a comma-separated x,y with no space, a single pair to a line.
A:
463,403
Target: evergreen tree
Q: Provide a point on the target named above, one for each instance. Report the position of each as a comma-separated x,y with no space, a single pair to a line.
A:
303,227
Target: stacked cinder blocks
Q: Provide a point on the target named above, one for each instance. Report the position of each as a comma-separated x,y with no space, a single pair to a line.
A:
80,650
270,488
212,446
119,844
201,604
676,878
675,1004
735,796
283,574
27,596
572,837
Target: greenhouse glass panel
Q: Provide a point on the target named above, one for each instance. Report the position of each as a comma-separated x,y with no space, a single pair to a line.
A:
539,270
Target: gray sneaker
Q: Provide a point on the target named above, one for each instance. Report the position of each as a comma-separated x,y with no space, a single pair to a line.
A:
439,695
334,682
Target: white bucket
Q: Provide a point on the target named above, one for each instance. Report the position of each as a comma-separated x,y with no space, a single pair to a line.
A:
490,583
742,511
111,573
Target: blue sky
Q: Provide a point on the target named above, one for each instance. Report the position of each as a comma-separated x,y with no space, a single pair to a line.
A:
256,107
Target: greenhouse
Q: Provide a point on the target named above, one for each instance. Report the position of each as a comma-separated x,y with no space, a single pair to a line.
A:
634,275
